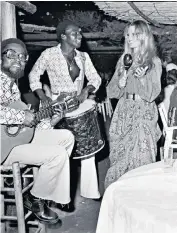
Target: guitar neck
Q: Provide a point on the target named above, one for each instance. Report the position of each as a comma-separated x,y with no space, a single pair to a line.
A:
45,112
64,106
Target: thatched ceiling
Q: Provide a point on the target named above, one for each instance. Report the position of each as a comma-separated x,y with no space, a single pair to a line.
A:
159,12
102,33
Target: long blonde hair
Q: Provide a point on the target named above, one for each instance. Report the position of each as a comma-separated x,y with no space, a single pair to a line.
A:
147,50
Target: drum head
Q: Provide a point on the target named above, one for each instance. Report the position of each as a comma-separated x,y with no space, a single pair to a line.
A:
83,107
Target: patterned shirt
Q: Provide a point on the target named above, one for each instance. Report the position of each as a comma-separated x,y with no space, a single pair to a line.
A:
9,94
53,61
10,115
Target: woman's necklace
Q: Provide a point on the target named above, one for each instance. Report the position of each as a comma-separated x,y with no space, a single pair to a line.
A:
70,63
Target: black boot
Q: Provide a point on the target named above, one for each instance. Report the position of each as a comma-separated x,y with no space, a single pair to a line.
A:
41,210
64,207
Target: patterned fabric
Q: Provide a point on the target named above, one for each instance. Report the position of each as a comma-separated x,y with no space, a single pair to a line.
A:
8,94
44,124
53,61
134,131
148,87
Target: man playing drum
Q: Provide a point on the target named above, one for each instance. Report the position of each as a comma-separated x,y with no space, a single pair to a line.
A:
66,68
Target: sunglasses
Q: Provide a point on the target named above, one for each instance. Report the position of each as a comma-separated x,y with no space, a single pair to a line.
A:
11,54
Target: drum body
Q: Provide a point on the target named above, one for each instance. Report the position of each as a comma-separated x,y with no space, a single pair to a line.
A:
84,124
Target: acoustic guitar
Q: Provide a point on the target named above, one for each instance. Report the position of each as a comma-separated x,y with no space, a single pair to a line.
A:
15,135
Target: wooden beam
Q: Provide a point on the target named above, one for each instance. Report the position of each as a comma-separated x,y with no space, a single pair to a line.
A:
53,36
8,21
114,52
30,32
27,6
106,52
35,28
43,43
39,37
137,10
48,44
95,35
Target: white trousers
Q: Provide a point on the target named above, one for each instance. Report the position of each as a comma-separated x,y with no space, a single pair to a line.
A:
89,180
49,149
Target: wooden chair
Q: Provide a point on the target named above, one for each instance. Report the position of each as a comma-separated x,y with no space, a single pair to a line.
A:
105,108
17,173
167,131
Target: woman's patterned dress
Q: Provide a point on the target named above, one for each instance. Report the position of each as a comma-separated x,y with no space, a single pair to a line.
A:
134,131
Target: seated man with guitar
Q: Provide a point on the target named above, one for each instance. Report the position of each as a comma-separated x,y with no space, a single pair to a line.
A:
48,149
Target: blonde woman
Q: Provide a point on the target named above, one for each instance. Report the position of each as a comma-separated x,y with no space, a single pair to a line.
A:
134,131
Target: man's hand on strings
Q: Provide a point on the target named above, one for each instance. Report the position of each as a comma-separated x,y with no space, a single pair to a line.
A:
58,115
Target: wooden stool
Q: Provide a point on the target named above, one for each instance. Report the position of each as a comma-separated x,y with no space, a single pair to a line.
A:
105,108
170,143
15,172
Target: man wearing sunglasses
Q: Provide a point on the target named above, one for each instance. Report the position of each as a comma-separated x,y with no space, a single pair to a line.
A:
49,149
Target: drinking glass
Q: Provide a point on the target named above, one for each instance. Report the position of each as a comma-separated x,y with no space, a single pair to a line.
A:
168,162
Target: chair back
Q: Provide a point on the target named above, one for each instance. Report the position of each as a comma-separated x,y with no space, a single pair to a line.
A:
163,115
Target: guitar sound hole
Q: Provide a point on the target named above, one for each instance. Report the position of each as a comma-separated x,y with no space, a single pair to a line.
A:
12,131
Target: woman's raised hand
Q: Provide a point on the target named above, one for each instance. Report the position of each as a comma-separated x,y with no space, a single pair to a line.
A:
140,72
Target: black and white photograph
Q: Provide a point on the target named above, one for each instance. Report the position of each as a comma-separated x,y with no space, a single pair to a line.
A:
88,115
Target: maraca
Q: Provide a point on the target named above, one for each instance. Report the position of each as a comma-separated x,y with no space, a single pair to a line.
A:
127,61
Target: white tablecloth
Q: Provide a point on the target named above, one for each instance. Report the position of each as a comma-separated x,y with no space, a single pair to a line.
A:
143,200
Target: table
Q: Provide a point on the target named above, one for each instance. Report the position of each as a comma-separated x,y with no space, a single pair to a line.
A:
143,200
